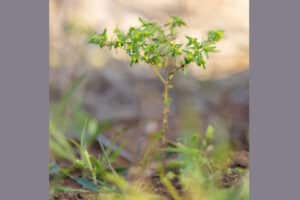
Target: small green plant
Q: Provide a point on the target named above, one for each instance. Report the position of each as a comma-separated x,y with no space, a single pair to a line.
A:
200,164
156,46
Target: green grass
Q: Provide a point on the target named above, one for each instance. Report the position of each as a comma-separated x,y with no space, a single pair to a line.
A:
199,164
198,172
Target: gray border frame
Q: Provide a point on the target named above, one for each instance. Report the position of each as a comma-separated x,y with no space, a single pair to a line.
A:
274,99
24,99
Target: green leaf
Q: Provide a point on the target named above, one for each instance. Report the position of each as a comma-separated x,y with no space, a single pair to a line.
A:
191,40
98,165
99,39
144,22
209,48
134,59
176,21
53,169
67,189
189,57
174,49
121,38
85,183
199,59
206,54
209,134
79,164
215,36
121,169
94,39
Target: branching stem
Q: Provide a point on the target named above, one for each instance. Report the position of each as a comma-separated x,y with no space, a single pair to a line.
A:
173,72
156,72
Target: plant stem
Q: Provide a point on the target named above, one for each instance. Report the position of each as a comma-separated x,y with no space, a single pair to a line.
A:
156,72
173,72
166,99
107,159
166,108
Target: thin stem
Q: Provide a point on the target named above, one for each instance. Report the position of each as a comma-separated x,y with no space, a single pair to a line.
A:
107,159
166,109
170,188
173,72
156,72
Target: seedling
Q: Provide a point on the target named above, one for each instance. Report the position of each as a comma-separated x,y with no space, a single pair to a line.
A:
156,46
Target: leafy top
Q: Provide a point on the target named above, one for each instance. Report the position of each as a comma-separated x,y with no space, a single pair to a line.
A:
154,44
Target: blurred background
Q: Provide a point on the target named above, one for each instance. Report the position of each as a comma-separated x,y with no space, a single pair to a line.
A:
88,82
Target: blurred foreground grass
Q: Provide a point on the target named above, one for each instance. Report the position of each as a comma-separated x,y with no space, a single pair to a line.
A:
196,166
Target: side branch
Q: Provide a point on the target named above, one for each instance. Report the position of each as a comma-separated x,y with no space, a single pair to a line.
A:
173,72
156,72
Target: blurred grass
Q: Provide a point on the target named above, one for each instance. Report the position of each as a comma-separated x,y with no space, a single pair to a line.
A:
199,171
